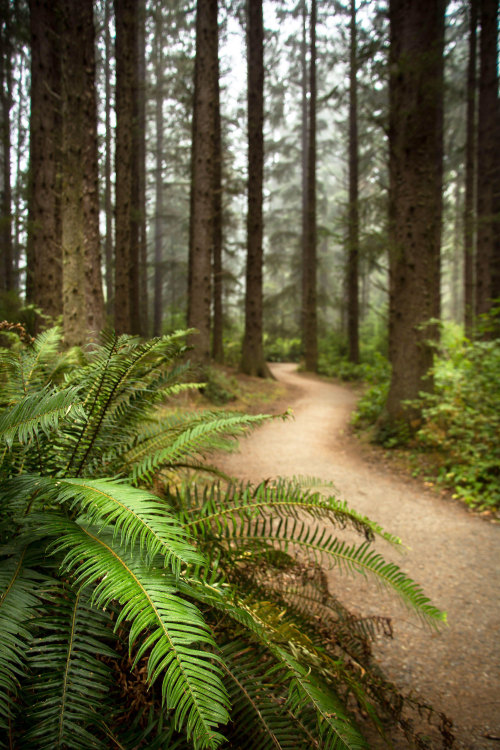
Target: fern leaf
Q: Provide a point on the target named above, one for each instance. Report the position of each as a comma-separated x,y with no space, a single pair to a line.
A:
42,410
162,624
71,684
18,607
136,516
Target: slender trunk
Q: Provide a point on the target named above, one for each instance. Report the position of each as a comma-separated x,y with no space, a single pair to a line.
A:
487,167
6,105
415,198
353,242
304,154
141,172
44,250
83,308
203,178
252,357
18,191
126,211
218,320
158,225
456,257
310,264
108,200
470,175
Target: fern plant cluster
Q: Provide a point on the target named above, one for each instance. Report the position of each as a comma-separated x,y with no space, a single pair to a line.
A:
197,615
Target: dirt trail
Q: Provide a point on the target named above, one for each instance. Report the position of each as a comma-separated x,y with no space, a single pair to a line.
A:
454,555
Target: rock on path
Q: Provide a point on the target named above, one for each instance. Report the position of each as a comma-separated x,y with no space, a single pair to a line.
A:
453,554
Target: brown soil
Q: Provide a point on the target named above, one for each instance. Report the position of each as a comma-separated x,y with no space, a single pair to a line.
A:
452,553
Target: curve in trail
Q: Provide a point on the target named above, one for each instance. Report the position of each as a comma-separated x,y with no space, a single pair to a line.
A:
453,554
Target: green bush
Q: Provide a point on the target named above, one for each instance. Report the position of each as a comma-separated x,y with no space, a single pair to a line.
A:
282,349
462,420
195,616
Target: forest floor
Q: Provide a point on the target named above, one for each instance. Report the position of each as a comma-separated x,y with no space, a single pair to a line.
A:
453,553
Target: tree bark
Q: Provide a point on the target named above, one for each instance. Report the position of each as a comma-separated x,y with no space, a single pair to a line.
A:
470,175
353,224
252,357
141,172
487,153
218,317
83,306
415,196
126,195
158,223
203,166
108,199
7,282
44,250
310,334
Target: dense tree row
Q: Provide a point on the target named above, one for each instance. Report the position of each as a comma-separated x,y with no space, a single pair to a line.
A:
174,246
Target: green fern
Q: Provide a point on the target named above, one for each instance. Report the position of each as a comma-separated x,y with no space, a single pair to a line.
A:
198,591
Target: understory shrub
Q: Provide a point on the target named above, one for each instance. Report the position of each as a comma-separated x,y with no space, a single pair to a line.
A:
146,601
462,420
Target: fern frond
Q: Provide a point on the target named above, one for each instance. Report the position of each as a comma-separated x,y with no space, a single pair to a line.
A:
322,547
163,625
19,602
71,683
42,410
200,437
137,517
229,507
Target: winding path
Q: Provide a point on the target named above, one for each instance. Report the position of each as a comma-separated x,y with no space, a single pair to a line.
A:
454,555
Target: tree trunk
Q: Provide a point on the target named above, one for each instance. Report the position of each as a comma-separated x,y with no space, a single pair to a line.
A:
108,201
44,253
470,175
487,167
252,358
203,179
310,334
304,154
83,307
126,197
7,282
141,172
415,197
158,223
218,319
353,241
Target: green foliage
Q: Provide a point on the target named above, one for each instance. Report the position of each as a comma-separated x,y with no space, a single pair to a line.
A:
148,620
282,349
462,420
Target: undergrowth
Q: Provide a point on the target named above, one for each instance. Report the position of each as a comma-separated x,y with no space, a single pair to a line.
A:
457,444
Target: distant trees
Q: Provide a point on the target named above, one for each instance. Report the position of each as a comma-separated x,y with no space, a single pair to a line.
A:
415,198
252,357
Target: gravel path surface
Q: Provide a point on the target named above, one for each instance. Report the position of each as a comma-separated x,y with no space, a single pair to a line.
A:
453,554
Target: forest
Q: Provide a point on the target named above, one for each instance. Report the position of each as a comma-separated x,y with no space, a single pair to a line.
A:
189,193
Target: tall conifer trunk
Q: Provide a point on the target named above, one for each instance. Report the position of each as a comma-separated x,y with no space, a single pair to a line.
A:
126,194
7,255
44,250
203,178
108,201
310,330
353,226
415,197
487,155
158,222
142,251
470,174
83,310
218,318
252,357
